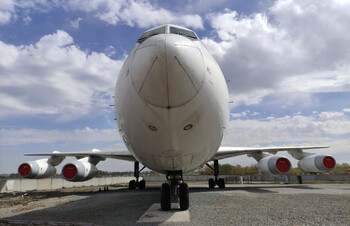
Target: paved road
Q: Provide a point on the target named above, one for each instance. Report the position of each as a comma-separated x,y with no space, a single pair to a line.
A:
238,205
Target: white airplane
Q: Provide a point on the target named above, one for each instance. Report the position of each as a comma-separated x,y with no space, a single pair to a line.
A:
171,104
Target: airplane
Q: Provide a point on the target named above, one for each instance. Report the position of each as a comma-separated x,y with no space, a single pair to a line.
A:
171,105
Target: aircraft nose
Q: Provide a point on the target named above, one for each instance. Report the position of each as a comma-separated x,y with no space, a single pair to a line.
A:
167,70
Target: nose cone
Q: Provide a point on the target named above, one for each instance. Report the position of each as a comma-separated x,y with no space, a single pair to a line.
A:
167,70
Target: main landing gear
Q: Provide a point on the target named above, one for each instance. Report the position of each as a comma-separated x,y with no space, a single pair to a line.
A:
219,182
136,183
174,189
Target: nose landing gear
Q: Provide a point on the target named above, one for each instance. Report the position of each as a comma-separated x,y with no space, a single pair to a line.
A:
174,189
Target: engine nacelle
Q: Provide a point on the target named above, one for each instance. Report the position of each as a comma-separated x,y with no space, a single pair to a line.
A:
79,171
317,163
36,169
274,165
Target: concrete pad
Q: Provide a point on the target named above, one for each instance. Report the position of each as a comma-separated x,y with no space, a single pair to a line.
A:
155,214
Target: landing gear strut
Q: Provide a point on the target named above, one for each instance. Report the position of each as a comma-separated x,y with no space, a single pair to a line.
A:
136,183
219,182
174,189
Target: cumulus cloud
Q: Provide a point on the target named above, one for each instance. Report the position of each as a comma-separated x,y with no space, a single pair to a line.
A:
296,47
325,128
110,51
20,136
138,13
75,23
320,129
53,76
7,8
330,115
134,13
238,115
27,20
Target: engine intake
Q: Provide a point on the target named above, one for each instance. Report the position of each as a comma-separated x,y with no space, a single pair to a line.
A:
79,171
36,169
317,163
274,165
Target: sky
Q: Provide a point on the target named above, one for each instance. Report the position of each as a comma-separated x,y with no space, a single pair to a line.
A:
287,62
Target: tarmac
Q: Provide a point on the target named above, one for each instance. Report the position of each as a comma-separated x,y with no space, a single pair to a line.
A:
264,204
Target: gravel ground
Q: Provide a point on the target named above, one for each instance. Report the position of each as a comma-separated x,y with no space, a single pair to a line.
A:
326,204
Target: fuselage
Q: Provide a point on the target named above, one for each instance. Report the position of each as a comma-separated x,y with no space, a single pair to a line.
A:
171,101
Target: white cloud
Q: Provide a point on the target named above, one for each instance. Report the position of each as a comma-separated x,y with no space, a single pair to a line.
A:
254,97
7,8
53,76
138,13
255,114
238,115
110,51
75,23
330,115
134,13
326,128
20,136
294,50
27,20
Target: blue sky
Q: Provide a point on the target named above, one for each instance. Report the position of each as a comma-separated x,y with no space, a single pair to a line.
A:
288,63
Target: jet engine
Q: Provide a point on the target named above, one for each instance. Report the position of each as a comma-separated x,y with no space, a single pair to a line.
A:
274,165
317,163
36,169
80,170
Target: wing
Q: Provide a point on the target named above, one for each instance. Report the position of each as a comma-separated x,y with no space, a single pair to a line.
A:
296,152
82,169
95,153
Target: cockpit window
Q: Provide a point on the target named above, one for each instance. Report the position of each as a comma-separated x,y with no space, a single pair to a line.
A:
150,33
179,31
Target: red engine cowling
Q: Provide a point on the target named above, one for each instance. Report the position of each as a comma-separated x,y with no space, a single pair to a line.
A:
317,163
274,165
79,171
36,169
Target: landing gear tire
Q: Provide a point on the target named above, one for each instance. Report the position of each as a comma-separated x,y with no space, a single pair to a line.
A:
184,196
142,184
132,185
165,202
221,183
211,183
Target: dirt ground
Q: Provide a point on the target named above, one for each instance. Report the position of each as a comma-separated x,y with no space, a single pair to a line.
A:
8,200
